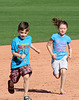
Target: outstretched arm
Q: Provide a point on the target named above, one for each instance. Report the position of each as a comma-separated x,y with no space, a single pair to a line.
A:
69,50
33,47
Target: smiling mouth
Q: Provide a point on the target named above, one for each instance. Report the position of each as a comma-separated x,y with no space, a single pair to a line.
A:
62,32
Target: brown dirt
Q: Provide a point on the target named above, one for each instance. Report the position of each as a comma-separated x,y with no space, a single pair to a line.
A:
43,85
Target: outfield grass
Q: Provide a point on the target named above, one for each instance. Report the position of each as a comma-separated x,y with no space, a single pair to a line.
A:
39,14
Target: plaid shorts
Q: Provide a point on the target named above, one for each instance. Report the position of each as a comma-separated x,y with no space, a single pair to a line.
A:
21,71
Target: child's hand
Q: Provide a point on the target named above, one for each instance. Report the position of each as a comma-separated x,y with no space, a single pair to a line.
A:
69,56
38,51
54,56
23,56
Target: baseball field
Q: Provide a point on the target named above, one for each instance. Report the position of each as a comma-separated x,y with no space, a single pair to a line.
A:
43,85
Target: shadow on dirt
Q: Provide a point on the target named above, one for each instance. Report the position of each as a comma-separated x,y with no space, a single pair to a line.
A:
35,90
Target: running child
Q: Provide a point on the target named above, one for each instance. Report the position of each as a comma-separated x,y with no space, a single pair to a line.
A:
20,65
57,48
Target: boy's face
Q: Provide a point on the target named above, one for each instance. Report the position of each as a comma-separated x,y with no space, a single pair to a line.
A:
23,33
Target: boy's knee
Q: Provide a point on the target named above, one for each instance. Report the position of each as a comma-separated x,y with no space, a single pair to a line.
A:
14,81
26,77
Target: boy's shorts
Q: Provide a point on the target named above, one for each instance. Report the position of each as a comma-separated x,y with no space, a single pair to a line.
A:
21,71
59,64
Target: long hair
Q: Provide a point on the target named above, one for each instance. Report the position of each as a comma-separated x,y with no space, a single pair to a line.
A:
57,22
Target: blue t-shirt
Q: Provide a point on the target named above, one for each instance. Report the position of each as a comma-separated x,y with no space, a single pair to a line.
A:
59,45
21,46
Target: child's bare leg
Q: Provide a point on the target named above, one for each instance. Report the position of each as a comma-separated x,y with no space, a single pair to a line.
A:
26,84
63,78
57,76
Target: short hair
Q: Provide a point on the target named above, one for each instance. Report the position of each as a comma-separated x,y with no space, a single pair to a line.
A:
23,25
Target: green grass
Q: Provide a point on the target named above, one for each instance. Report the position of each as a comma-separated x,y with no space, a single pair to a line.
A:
39,14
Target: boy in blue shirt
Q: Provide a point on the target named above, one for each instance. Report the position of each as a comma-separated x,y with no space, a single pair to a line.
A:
20,65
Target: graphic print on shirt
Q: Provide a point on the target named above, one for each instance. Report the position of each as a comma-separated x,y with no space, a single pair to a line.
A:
22,49
60,47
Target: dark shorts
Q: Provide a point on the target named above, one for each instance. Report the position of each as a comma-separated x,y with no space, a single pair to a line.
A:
22,71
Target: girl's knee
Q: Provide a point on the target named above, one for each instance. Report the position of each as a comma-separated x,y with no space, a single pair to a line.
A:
57,76
63,71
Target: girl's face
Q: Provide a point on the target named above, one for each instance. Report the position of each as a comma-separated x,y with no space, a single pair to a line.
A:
62,29
23,33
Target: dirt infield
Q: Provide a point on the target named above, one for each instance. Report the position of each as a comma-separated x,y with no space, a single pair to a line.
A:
43,85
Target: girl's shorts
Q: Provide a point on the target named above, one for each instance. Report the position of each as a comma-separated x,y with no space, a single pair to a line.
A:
59,64
21,71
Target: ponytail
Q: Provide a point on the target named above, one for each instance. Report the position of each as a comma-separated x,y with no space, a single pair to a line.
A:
58,22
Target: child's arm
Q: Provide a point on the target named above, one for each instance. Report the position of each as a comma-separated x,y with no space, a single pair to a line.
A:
69,50
18,55
38,51
50,50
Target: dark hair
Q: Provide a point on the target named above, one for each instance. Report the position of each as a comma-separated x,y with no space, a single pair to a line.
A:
58,22
23,25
